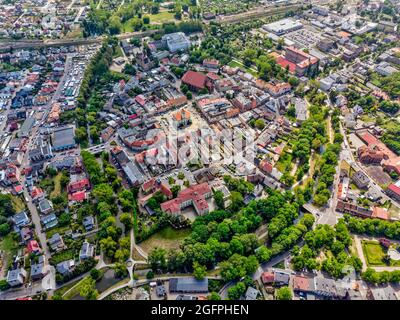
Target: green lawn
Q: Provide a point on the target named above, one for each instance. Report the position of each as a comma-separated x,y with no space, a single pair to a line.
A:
373,253
9,246
18,204
235,64
166,238
65,288
164,16
118,52
62,256
57,186
55,230
74,291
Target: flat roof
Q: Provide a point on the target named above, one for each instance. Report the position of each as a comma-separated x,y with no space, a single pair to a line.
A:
283,26
63,137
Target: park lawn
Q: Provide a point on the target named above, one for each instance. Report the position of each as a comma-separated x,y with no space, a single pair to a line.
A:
68,295
65,288
234,64
18,204
57,186
163,16
373,253
167,238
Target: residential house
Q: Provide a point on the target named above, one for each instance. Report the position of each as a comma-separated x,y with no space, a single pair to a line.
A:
88,223
45,206
87,251
65,267
21,220
16,277
56,242
360,179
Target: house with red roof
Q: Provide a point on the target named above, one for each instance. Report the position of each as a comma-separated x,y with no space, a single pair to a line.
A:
33,247
37,194
197,81
181,118
303,284
278,89
152,185
78,196
393,191
267,278
80,185
380,213
195,195
211,63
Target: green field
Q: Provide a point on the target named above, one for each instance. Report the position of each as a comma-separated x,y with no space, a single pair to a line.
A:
57,186
10,248
234,64
164,16
166,238
18,204
373,253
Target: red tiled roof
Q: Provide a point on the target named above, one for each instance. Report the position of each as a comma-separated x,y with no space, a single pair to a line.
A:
33,246
284,63
78,185
77,196
368,138
266,166
394,189
380,213
213,76
267,277
195,79
182,114
301,283
148,184
195,193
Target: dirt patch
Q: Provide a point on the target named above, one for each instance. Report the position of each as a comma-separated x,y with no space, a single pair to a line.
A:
377,173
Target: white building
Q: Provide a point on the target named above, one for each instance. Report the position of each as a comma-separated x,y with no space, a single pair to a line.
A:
176,41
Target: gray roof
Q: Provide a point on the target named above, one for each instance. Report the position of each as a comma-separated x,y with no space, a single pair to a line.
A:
251,293
37,269
63,137
65,266
13,275
133,173
188,285
88,221
55,239
45,205
21,219
281,277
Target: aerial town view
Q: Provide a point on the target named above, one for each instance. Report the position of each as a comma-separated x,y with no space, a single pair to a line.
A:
200,150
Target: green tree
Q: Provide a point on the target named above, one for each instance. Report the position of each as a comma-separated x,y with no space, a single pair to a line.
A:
156,259
219,199
127,220
199,271
284,293
88,289
214,296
